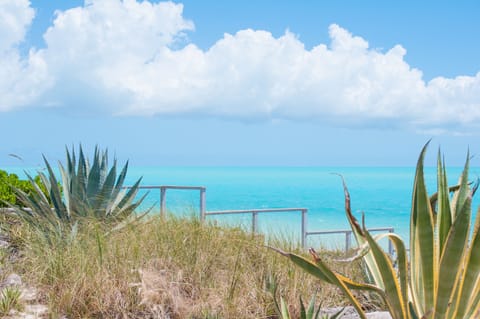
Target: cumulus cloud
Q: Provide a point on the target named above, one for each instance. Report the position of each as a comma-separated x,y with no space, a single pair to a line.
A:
22,79
134,58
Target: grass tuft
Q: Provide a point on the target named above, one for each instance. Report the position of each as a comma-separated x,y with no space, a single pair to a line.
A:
171,267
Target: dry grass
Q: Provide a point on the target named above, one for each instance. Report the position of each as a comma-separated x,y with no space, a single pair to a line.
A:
172,268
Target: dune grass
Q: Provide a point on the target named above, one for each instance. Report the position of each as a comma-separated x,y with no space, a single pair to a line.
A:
164,268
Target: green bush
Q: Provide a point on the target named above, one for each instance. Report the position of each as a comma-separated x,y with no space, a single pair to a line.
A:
7,194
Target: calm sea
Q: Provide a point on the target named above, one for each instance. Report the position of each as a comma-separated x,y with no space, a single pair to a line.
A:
382,193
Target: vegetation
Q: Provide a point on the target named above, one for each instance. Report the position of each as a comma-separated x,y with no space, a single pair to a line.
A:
167,268
305,313
10,181
87,191
10,300
61,242
442,278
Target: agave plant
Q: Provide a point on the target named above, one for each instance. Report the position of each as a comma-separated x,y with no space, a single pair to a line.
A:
442,278
86,191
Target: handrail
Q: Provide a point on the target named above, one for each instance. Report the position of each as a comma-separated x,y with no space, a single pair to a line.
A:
348,236
163,194
255,213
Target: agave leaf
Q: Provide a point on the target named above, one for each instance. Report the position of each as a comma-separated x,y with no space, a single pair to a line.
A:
412,311
81,175
93,181
55,193
394,297
462,194
106,191
444,214
357,230
402,264
452,254
322,272
470,280
128,198
66,184
120,180
422,247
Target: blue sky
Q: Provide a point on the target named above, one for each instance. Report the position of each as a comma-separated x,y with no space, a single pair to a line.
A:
334,83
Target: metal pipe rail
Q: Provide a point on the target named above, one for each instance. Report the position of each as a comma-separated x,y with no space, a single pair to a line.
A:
255,213
348,236
163,194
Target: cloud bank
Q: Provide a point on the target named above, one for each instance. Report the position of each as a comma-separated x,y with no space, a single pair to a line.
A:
134,58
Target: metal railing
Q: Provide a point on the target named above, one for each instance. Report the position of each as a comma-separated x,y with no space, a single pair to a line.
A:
348,236
255,213
163,196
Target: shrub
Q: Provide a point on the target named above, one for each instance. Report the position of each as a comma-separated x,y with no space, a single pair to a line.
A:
8,181
87,191
442,279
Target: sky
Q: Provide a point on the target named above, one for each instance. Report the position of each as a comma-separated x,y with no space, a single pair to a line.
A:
233,83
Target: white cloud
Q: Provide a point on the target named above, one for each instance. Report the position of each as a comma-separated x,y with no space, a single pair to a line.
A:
15,17
22,79
130,58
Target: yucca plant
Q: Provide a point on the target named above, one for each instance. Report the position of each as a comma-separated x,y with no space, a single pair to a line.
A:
87,191
442,278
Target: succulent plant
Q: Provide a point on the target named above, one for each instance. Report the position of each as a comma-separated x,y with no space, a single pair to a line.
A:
442,277
87,191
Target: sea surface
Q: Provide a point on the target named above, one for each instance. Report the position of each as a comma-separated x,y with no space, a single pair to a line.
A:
383,194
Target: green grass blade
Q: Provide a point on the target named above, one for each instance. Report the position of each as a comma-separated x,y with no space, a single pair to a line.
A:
311,308
284,309
303,312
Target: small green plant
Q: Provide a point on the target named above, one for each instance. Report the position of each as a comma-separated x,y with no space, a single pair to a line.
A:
305,313
87,191
10,181
10,299
442,279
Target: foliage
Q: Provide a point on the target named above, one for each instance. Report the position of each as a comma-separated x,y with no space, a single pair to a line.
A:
305,313
87,191
8,181
10,300
442,278
165,268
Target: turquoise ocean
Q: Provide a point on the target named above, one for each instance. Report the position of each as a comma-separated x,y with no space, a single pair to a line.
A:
383,194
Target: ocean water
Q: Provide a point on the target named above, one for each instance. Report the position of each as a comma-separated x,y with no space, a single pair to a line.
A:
383,194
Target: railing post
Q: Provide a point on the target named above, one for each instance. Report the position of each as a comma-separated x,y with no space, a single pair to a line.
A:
162,201
304,228
254,221
348,240
202,203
